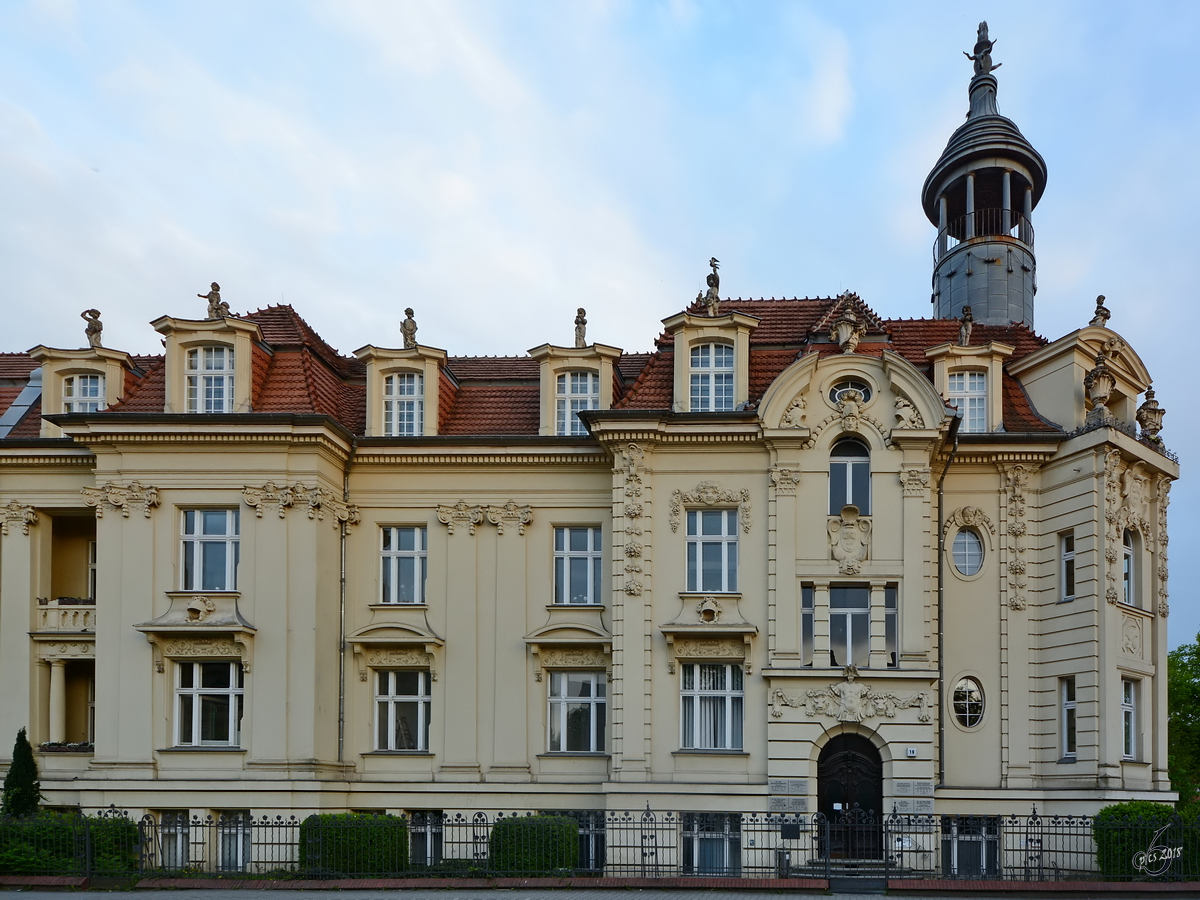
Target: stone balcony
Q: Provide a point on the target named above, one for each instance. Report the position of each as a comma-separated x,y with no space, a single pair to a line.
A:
72,615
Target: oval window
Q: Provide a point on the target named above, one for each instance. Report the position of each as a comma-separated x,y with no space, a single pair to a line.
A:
850,384
968,552
968,702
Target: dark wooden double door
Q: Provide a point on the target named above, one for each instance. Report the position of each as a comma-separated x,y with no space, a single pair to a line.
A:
850,796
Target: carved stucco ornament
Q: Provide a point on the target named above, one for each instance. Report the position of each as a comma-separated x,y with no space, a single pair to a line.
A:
793,416
460,515
915,482
849,540
1164,500
1102,315
708,493
1016,477
847,331
270,496
17,514
907,415
1099,383
394,657
969,517
321,501
785,480
850,701
123,497
510,514
632,508
1150,417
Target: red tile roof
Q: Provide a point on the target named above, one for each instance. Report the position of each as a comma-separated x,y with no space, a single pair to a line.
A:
491,409
30,425
486,367
7,396
16,365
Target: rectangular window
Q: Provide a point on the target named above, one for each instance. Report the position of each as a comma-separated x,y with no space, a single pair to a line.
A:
92,571
174,837
807,609
83,393
210,549
1066,545
234,841
890,624
425,837
712,702
577,391
402,709
1129,730
591,837
712,550
849,625
578,564
405,564
210,380
578,712
91,709
712,844
208,704
968,392
404,405
712,378
1066,691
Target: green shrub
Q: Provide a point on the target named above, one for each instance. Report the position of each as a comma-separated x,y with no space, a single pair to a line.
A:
22,790
1124,830
353,844
57,844
534,845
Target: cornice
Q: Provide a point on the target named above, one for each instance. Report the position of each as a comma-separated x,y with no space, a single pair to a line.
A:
441,457
30,457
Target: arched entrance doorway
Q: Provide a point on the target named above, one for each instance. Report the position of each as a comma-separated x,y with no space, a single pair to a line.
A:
850,796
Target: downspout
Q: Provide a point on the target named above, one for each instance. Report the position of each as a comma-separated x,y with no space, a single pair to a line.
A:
951,435
342,607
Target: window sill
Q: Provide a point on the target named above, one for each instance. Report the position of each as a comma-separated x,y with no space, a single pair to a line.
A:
398,753
709,753
585,754
1126,761
398,606
1067,760
215,749
574,606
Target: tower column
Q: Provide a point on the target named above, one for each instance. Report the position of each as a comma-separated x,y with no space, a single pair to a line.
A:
1006,201
970,205
1027,210
942,226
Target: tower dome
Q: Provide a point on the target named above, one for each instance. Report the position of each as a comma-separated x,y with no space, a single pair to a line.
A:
981,194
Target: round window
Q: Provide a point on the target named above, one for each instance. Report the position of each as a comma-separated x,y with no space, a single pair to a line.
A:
835,392
968,552
968,702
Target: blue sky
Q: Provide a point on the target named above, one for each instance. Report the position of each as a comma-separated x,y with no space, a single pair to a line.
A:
497,164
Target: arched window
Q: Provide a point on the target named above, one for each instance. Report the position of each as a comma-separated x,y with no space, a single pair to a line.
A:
968,702
968,552
577,391
712,378
404,405
1128,570
210,380
850,477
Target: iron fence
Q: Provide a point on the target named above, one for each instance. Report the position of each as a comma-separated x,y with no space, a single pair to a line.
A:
644,844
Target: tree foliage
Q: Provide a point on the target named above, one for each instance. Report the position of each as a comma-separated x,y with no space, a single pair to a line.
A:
22,790
1183,720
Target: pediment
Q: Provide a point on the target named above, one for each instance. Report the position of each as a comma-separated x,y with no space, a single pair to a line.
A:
391,633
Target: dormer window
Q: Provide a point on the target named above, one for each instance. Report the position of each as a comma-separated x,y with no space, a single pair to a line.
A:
404,405
968,391
83,393
210,380
577,391
712,378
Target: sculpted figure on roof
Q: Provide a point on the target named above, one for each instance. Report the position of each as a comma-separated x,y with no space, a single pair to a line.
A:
713,297
581,327
94,326
408,328
1102,313
217,308
965,324
983,52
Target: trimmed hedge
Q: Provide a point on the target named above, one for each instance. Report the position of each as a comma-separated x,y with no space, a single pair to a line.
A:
534,845
53,843
1125,832
353,844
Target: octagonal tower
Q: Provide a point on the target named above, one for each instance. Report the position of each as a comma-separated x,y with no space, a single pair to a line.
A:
981,195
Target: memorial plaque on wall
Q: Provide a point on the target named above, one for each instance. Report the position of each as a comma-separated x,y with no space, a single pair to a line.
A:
790,786
787,804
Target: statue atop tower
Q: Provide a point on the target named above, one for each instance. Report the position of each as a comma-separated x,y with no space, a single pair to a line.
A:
981,195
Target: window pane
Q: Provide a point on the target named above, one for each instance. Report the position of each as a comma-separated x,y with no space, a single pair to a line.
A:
408,683
692,518
712,522
735,724
556,737
185,719
596,595
381,725
600,726
579,727
711,566
692,574
579,538
861,485
1070,730
837,487
579,685
689,676
186,672
712,722
559,578
214,718
212,566
406,539
213,521
732,549
712,678
407,725
860,648
689,720
388,563
406,579
837,640
214,675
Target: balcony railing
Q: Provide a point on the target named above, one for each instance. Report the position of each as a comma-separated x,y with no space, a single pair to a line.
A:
983,224
70,614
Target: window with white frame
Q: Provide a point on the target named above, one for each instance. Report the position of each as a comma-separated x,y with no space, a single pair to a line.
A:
405,564
891,625
404,404
577,391
712,844
1129,593
712,378
174,836
578,564
968,702
712,550
210,380
849,625
967,551
1066,568
210,549
712,701
578,712
968,391
1066,693
403,709
850,477
807,623
234,841
83,393
92,571
425,836
208,704
1129,732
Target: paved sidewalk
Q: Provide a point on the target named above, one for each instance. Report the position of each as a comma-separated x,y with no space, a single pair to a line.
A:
532,894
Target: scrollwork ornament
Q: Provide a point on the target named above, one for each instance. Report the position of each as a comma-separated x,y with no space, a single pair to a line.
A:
709,493
915,482
15,514
123,497
321,500
270,496
785,481
510,514
460,515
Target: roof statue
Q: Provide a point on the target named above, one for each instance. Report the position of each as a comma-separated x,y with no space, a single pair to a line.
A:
1102,313
94,326
983,52
581,327
965,324
217,308
408,328
713,297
